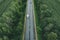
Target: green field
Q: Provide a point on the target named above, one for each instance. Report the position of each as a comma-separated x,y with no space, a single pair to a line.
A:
47,14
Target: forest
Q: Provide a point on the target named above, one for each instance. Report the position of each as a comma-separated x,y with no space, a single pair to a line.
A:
12,13
47,13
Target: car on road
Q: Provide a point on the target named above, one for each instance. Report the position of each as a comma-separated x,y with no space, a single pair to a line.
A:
27,15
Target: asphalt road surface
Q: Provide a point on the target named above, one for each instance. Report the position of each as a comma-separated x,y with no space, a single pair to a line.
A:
29,34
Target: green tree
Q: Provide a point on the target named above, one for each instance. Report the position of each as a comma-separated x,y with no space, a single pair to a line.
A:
52,36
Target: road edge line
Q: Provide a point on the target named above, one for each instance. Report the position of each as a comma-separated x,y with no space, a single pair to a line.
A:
35,22
24,29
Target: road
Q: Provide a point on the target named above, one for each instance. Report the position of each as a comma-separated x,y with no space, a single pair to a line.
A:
29,34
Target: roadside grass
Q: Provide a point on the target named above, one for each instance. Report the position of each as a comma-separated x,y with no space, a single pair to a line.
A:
37,25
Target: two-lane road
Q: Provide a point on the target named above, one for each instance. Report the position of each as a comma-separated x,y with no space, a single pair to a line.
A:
29,34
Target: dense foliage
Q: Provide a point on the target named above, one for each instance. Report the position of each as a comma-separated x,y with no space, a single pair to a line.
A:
12,13
47,14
